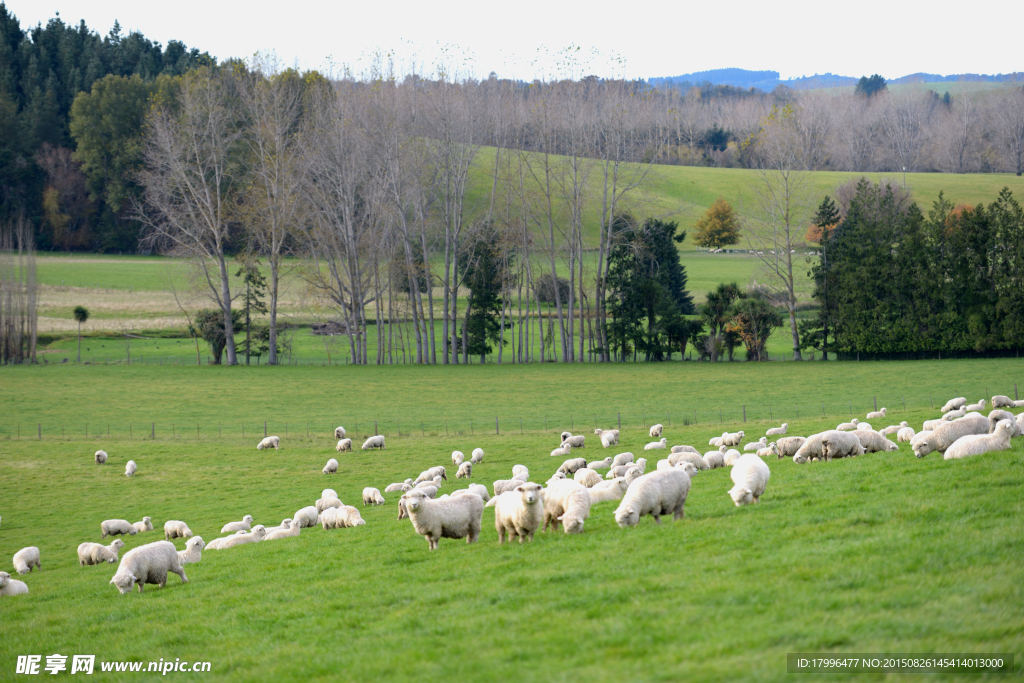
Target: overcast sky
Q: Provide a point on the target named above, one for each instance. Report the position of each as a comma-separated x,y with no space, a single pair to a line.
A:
525,38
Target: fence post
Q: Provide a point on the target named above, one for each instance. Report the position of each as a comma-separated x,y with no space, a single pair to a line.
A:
744,412
496,430
152,430
798,412
40,431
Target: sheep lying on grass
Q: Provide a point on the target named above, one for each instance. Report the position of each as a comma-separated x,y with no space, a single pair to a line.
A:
847,426
9,586
893,429
145,525
95,553
475,490
622,459
587,477
656,494
980,405
244,525
750,475
567,502
943,436
612,489
193,551
873,442
562,451
258,533
269,442
778,431
148,563
116,527
977,444
285,524
599,464
288,530
397,487
685,449
756,445
876,414
459,517
657,445
771,449
519,512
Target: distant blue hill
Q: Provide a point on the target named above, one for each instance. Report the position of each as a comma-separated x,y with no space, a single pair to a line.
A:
768,80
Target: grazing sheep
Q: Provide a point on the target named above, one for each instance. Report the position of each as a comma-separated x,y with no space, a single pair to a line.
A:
563,436
600,464
175,528
344,445
873,442
501,486
997,416
731,456
750,475
789,445
478,456
115,527
575,441
622,459
977,444
465,471
145,525
562,451
339,433
520,472
836,444
570,466
306,517
371,496
9,586
519,512
374,442
771,449
656,494
609,438
101,457
458,457
459,517
244,525
344,517
269,442
286,531
943,436
756,445
810,449
96,553
979,406
193,551
568,502
656,431
685,449
130,468
847,426
148,563
331,467
657,445
777,431
587,477
26,559
864,427
258,533
697,461
954,403
1000,401
326,504
397,487
714,459
732,439
328,493
905,434
876,414
612,489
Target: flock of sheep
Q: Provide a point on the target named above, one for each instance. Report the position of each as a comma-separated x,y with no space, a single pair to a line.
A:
521,507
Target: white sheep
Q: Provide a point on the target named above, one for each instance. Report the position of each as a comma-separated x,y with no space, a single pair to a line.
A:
777,431
905,434
954,403
175,528
344,445
328,493
116,527
286,531
656,431
685,449
943,436
215,544
326,504
193,551
372,496
930,425
430,489
96,553
847,426
269,442
459,517
148,563
244,525
430,474
750,475
836,444
341,518
1000,401
789,445
465,471
599,464
864,427
771,449
562,451
145,525
980,405
697,461
717,441
997,416
575,441
587,477
478,456
655,494
27,559
563,436
500,486
374,442
657,445
339,433
609,438
810,449
306,517
876,414
397,487
473,490
756,445
331,467
130,468
633,473
519,512
1020,423
622,459
101,457
954,414
619,470
893,429
9,586
873,442
458,457
571,465
977,444
285,525
520,472
732,439
258,533
714,459
612,489
731,456
568,502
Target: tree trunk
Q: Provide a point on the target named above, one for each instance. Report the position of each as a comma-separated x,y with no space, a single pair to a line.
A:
225,304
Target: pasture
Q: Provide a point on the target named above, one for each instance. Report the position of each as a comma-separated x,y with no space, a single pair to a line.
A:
880,553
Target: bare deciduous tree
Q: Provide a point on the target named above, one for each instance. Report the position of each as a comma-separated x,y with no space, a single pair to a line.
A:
1010,117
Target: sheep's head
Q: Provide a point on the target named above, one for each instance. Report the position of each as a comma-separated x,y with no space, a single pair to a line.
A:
688,467
775,449
920,447
199,543
530,493
247,519
741,495
573,525
414,500
800,458
259,530
627,515
890,446
117,545
132,531
4,579
124,582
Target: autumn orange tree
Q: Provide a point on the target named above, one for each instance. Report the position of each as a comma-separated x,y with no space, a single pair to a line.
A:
718,227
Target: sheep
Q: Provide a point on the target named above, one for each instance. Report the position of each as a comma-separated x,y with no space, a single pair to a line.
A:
215,544
306,517
459,517
789,445
943,436
876,414
810,449
997,416
130,468
465,471
587,477
567,502
175,528
478,456
145,525
478,489
244,525
954,403
750,475
9,586
697,461
501,486
622,459
328,493
430,490
836,444
269,442
632,474
258,533
612,489
148,563
285,523
772,449
342,518
873,442
600,464
777,431
733,439
326,504
519,512
714,459
619,470
374,442
930,425
893,429
563,436
847,426
685,449
609,438
344,445
371,496
756,445
905,434
286,531
438,471
657,445
331,467
193,551
562,451
339,433
116,527
96,553
1020,423
864,427
573,464
575,441
458,457
980,405
396,487
101,457
731,456
717,441
977,444
26,559
656,494
520,472
954,414
434,483
656,431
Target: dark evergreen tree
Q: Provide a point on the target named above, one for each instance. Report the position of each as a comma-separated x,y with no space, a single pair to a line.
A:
870,86
486,265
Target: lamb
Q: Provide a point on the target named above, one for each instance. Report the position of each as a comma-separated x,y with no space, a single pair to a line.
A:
587,477
458,457
306,517
567,502
562,451
215,544
730,457
258,533
733,439
326,504
789,445
575,441
657,445
145,525
344,445
622,459
434,483
392,488
685,449
777,431
609,438
130,468
697,461
633,473
287,531
339,433
864,426
26,559
847,426
342,518
101,457
115,527
520,472
371,496
613,489
772,449
750,475
1000,401
519,512
175,528
148,563
876,414
873,442
894,429
9,586
980,405
244,525
954,403
810,449
285,523
757,445
905,434
331,467
465,471
96,553
269,442
573,464
600,464
478,456
656,431
943,436
193,551
374,442
619,470
655,494
977,444
459,517
997,416
714,459
836,444
501,486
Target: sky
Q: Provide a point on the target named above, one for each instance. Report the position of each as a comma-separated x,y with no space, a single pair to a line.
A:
536,38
